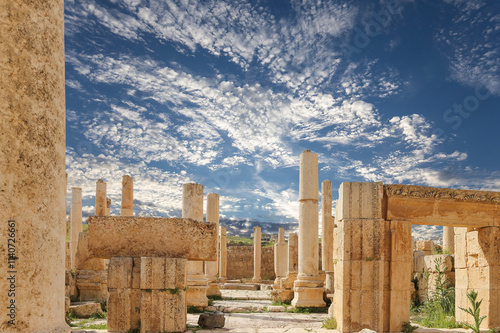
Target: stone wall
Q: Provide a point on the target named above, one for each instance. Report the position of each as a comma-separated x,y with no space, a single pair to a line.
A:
424,269
240,262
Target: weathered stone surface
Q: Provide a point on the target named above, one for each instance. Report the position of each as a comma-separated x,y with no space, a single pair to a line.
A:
100,198
85,309
124,309
163,311
32,162
447,207
427,246
120,272
127,236
359,200
210,320
163,273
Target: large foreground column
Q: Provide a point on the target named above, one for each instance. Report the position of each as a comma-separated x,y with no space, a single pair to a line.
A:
32,176
212,267
308,287
327,225
127,196
192,207
257,255
75,222
449,239
223,256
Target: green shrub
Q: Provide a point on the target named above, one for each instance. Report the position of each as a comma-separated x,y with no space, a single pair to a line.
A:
330,323
408,327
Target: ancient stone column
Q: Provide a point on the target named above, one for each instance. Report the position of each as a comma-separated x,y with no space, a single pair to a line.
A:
293,253
108,206
192,207
212,267
257,255
100,198
127,196
327,225
32,162
448,239
76,222
308,288
223,256
280,259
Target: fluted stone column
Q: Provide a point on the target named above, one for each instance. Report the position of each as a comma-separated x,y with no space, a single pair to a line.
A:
308,288
212,267
100,198
108,206
127,196
257,255
223,256
449,239
280,259
192,207
32,160
327,225
76,222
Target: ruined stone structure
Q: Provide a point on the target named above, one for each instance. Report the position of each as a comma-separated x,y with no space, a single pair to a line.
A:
308,288
91,273
257,255
212,267
240,263
223,256
426,246
426,269
373,250
32,159
147,269
192,207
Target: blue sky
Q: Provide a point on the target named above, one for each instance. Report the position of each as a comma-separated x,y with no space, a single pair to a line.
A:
229,93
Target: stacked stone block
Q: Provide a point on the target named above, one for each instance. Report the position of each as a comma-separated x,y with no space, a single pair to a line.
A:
372,262
477,267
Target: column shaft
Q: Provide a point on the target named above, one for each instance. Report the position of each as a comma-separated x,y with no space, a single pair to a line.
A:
327,225
100,198
257,255
212,267
127,196
308,288
76,222
32,162
223,256
449,239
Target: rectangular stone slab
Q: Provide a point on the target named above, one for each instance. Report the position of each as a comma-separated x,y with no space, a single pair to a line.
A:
442,206
128,236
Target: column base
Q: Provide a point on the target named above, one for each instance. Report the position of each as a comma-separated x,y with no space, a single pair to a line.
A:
197,296
257,280
308,293
222,279
213,289
282,295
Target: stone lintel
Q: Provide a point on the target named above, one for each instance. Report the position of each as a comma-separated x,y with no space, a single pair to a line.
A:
127,236
442,206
